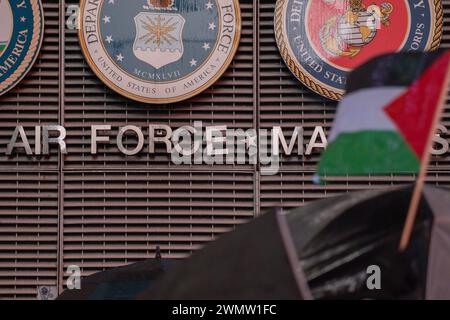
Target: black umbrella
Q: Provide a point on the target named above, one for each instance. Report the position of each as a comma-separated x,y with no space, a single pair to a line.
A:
257,261
337,240
323,250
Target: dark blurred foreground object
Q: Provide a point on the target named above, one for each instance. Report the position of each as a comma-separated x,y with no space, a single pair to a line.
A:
323,251
122,283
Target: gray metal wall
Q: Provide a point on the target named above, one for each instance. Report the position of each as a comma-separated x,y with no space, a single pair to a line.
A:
108,210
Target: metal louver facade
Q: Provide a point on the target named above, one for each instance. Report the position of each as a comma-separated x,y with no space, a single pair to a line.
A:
108,210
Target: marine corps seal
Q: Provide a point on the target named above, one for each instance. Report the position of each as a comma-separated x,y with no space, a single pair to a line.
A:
21,33
159,51
322,40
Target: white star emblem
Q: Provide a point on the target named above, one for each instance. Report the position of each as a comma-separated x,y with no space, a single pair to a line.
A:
109,39
106,19
206,46
120,57
111,1
209,5
23,19
193,62
212,26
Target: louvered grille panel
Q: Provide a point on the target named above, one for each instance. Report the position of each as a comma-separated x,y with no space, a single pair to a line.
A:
28,233
289,190
286,103
283,100
34,101
115,218
87,101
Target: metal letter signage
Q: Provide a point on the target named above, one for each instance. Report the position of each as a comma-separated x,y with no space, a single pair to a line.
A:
21,34
322,40
159,51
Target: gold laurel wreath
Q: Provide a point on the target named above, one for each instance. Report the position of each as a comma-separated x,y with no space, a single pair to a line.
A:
30,57
310,82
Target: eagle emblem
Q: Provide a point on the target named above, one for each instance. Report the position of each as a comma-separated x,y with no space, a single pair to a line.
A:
347,34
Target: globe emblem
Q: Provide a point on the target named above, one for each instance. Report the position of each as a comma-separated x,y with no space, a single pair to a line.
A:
357,29
6,25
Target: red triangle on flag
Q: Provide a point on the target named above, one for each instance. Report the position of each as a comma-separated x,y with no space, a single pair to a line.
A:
414,111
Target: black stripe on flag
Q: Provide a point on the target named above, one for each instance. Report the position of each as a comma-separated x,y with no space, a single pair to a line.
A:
397,69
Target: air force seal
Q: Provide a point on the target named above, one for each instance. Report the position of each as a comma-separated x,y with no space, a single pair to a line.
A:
21,33
322,40
159,51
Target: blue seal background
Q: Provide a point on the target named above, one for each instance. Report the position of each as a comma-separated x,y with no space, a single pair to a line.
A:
123,29
18,26
291,33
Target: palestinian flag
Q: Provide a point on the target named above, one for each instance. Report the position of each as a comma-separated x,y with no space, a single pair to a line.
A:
384,122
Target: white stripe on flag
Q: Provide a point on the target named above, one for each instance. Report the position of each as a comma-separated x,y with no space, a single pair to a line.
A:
363,110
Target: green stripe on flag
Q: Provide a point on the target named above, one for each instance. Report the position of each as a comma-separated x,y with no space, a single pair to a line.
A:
368,152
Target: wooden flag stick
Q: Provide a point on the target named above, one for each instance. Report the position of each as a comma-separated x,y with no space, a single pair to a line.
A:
413,207
417,194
